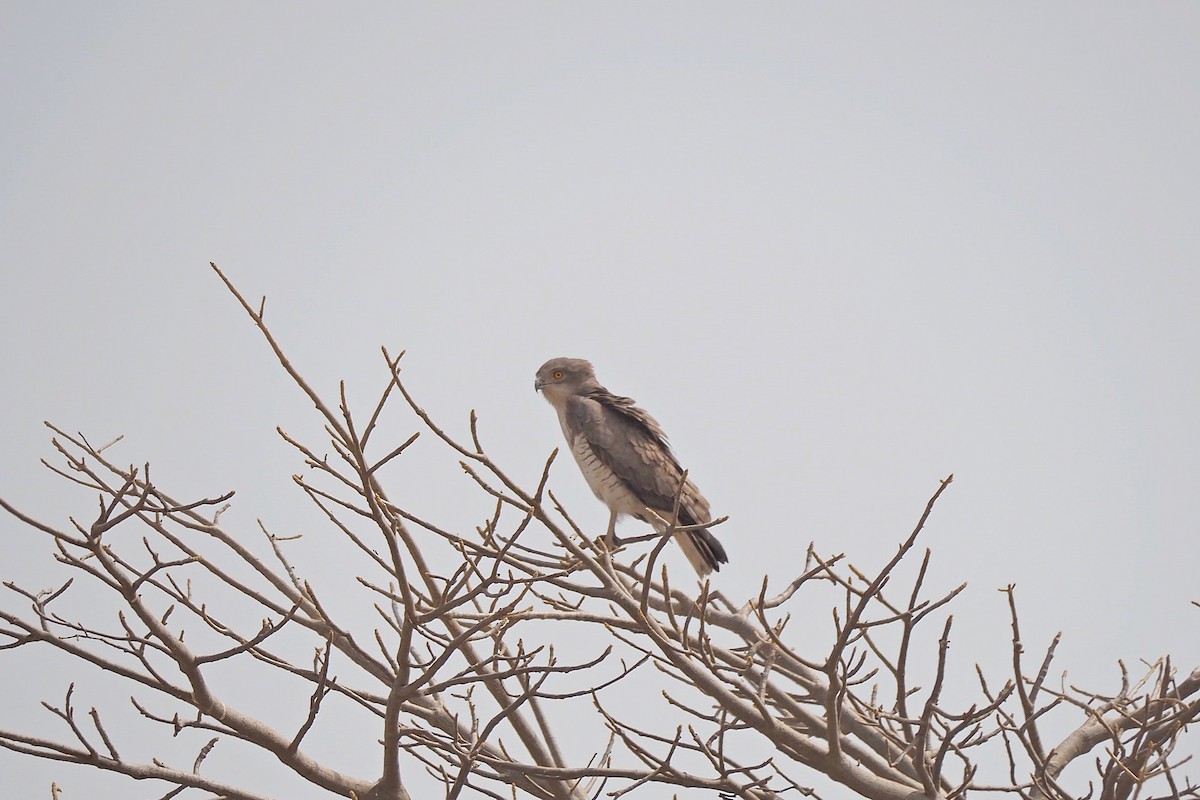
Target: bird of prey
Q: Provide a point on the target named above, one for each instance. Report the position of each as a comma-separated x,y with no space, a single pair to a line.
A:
624,455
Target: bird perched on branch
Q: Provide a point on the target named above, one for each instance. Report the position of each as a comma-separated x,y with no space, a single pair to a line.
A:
624,455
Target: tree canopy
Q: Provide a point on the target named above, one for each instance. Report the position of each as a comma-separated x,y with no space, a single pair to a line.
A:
524,659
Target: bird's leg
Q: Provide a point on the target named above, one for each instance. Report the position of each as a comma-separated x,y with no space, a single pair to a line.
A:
613,541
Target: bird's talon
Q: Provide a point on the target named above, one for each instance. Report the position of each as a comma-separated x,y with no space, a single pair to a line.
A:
610,545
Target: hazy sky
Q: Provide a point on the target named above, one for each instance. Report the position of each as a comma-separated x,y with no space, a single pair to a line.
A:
839,250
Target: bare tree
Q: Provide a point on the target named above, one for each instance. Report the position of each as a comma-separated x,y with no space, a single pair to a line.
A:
460,681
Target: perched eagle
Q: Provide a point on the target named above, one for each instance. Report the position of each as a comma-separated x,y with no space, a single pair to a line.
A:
624,456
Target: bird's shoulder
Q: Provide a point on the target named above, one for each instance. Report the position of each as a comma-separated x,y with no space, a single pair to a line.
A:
620,414
621,430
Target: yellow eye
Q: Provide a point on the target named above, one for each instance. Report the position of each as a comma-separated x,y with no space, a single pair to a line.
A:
558,374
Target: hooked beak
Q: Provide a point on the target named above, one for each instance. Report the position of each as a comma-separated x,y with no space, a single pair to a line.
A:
538,383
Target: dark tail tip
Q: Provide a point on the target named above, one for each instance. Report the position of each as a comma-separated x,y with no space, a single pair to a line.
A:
712,550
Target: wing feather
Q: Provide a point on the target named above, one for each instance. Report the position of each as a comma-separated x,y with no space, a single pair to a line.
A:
630,443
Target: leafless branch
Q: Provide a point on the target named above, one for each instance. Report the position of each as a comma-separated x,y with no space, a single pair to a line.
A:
522,658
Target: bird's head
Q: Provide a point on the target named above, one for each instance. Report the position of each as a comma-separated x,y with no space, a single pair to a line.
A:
561,377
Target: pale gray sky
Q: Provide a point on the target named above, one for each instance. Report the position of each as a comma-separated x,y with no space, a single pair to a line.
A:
839,250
